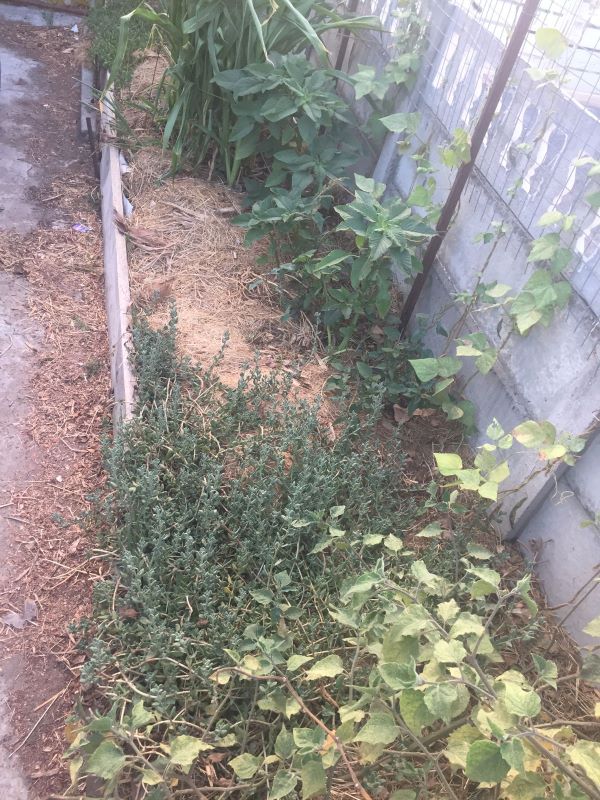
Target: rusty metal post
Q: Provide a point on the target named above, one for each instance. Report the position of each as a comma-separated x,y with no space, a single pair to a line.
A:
483,123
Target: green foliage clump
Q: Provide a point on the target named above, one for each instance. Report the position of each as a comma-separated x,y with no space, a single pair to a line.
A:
267,624
204,40
214,494
103,22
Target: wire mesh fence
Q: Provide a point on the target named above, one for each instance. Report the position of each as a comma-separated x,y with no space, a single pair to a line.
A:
547,124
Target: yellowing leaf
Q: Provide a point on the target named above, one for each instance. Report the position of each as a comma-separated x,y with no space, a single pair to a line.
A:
448,463
327,667
245,766
185,749
587,756
106,761
593,627
459,743
393,543
551,42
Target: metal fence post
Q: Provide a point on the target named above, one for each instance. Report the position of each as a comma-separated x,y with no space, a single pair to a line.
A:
483,123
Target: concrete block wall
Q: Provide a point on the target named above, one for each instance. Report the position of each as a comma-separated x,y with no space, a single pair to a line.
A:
525,168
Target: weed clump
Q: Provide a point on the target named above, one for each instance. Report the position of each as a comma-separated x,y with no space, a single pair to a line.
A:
217,496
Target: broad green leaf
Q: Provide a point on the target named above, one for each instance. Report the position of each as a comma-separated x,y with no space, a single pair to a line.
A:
372,539
451,652
527,320
448,463
426,369
327,667
229,740
551,42
440,700
273,701
262,596
531,434
393,543
414,712
593,199
283,784
519,701
363,183
488,575
151,778
499,473
414,619
544,248
459,743
361,584
593,627
396,647
284,744
434,583
399,676
587,756
498,719
547,670
140,717
448,366
380,728
75,765
550,218
479,552
553,451
529,786
330,260
245,766
495,430
489,490
513,753
402,122
106,761
486,360
185,749
499,290
295,662
482,589
308,740
313,777
431,531
485,763
466,624
448,611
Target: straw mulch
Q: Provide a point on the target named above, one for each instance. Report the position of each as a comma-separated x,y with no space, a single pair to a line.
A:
53,561
185,249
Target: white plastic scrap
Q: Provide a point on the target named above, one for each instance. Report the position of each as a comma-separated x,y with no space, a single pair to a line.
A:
124,166
127,207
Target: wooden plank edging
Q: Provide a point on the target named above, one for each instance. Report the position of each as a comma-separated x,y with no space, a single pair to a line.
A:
116,272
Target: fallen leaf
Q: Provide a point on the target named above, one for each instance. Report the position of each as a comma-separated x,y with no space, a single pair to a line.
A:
401,415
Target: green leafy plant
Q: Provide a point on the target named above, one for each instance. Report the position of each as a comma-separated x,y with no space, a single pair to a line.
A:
420,677
204,40
289,115
103,21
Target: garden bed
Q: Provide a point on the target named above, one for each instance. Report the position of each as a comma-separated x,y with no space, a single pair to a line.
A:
298,604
